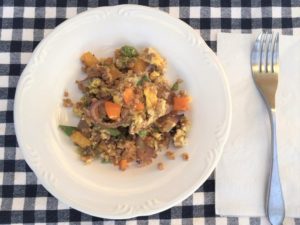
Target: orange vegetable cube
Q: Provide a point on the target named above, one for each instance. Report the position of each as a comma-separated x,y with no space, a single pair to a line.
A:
79,139
88,59
128,95
112,110
181,103
123,164
139,106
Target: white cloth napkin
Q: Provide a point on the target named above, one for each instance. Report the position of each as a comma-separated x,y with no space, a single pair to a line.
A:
242,174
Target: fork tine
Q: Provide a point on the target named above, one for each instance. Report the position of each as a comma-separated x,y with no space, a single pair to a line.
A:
269,60
256,53
263,54
275,54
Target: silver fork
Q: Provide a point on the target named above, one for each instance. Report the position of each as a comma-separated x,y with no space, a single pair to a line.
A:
265,69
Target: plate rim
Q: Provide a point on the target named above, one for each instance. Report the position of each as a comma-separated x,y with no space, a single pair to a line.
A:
180,197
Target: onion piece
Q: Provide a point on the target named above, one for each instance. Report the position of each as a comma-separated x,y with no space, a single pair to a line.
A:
94,110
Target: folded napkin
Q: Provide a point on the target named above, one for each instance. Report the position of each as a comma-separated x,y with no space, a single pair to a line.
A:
243,171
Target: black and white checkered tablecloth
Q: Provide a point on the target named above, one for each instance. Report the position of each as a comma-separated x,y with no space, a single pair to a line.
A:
23,24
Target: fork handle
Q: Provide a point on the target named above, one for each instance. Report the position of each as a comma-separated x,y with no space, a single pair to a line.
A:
275,202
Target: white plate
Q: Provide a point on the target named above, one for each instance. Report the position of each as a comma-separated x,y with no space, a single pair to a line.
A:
100,189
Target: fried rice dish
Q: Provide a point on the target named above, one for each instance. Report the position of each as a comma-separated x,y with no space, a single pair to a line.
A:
129,112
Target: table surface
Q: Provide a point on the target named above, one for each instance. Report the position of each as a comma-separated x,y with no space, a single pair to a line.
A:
24,24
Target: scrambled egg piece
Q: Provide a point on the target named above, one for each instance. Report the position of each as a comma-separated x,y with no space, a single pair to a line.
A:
161,107
150,93
181,133
151,56
117,98
179,138
154,75
137,124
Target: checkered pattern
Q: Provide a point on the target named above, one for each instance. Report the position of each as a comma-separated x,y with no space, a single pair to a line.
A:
24,23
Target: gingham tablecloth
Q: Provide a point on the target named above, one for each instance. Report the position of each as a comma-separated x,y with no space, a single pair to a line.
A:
24,24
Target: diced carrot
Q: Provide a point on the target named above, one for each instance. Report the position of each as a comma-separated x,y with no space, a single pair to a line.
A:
139,66
181,103
88,59
128,95
139,106
123,164
113,110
